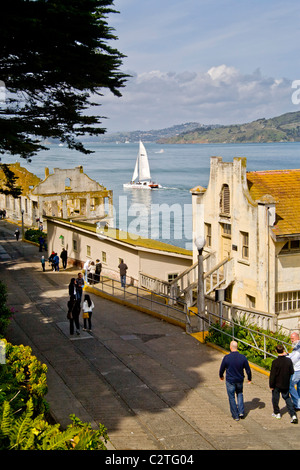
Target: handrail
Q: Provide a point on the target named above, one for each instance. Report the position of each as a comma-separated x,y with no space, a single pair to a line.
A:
231,323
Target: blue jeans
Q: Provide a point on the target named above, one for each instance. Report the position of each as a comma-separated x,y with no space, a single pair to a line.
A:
295,392
237,409
123,281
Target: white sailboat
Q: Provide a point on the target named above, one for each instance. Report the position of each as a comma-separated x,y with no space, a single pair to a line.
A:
141,178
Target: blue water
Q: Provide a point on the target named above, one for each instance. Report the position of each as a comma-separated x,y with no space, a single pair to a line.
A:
163,214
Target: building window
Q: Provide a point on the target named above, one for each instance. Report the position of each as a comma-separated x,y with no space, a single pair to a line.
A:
292,246
286,301
75,245
226,230
245,245
88,250
103,257
208,234
225,200
172,276
250,301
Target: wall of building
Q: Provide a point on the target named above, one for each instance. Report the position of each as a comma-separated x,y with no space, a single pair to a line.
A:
138,259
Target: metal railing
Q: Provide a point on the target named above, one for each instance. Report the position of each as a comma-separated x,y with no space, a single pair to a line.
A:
138,296
209,320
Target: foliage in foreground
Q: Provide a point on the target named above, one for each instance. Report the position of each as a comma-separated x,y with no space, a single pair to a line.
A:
23,409
223,336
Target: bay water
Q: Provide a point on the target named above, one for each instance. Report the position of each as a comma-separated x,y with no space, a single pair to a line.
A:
163,214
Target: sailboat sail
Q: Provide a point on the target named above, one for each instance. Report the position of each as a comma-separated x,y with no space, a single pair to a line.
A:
141,169
141,177
144,170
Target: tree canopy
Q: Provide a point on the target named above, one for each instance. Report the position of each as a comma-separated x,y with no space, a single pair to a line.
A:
55,55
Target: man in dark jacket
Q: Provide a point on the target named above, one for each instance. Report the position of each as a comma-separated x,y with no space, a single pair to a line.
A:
281,371
234,364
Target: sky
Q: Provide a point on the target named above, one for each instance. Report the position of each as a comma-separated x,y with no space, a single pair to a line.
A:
205,61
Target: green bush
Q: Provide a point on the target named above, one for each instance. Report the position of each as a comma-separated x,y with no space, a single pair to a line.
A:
223,336
33,235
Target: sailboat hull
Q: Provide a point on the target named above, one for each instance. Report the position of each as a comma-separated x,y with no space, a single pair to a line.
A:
142,185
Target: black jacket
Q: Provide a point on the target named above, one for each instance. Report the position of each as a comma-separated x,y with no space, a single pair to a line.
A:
281,371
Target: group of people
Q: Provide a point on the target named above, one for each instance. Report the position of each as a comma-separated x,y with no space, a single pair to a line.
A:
284,379
54,260
76,305
92,271
2,213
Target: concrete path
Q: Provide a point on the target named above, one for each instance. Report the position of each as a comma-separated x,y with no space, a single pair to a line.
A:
153,386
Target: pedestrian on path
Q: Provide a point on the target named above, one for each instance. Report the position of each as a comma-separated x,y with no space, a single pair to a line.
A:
280,376
87,310
295,379
98,270
234,364
64,257
17,234
86,268
43,261
79,286
123,269
73,315
72,289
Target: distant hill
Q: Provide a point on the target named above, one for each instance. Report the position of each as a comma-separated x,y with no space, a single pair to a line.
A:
150,136
284,128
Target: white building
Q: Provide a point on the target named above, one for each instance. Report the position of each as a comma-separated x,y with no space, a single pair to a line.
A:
252,220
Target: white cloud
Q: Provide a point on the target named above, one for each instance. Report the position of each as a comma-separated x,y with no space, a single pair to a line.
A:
156,99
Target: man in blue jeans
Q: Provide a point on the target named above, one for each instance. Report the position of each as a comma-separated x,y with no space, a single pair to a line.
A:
295,379
234,365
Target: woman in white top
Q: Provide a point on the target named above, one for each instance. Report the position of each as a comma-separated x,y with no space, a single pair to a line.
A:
87,307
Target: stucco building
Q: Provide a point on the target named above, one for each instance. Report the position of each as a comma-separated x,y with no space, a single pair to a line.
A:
252,220
67,193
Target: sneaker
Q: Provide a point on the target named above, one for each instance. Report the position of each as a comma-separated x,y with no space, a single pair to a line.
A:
277,416
294,420
242,416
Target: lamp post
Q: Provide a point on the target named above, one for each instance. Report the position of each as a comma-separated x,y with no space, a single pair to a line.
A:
200,242
22,212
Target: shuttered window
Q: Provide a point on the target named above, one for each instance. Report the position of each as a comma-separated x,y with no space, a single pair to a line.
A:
225,200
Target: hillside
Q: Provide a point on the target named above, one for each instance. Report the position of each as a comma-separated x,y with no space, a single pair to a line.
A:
150,136
284,128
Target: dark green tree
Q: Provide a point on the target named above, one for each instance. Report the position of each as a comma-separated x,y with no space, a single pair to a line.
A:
55,55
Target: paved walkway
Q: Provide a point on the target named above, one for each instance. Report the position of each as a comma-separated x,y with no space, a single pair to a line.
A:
153,386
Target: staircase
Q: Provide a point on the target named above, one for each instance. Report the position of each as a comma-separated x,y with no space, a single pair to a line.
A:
183,289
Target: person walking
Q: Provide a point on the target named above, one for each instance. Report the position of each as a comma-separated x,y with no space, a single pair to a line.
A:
56,262
72,289
87,309
123,269
98,270
86,268
43,261
79,286
73,315
17,234
234,364
91,274
64,257
280,376
295,379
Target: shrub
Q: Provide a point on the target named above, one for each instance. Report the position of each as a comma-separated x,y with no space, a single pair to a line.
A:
33,235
